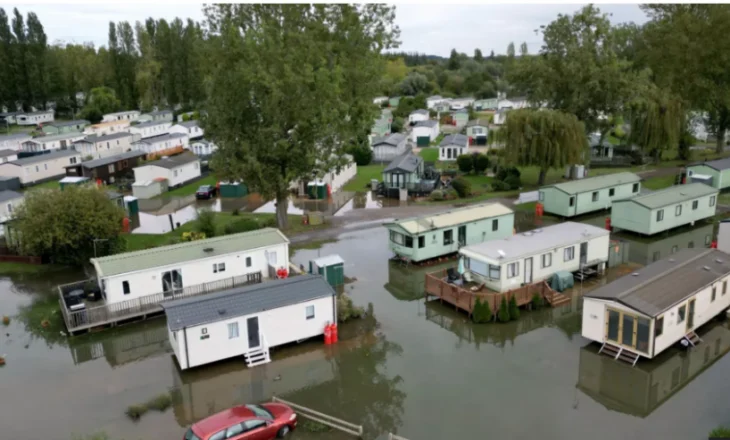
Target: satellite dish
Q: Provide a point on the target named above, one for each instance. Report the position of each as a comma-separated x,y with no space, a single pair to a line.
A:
501,253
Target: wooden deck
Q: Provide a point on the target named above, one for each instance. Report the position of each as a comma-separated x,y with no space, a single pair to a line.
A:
462,297
138,308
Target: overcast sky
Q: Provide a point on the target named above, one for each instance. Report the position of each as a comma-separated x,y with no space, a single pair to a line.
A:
431,29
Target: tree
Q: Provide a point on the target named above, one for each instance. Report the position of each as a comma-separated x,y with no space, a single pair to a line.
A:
656,122
687,51
396,70
514,311
465,163
481,163
478,55
361,152
101,100
543,138
454,62
511,50
8,92
206,223
482,313
270,68
64,225
413,84
503,314
397,125
462,186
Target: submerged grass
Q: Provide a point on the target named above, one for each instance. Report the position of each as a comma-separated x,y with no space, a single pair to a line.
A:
43,318
8,268
312,426
160,403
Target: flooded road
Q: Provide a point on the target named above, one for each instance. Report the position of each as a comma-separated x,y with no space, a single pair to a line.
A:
421,370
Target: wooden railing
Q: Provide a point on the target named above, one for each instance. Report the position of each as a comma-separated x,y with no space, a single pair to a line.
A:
465,299
110,313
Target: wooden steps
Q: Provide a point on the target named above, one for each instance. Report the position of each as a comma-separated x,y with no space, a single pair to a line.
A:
584,274
558,299
692,338
619,353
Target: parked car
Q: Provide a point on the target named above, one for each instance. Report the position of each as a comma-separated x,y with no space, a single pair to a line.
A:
205,192
246,422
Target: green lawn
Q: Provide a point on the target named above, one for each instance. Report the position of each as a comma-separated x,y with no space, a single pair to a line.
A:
429,154
361,181
659,182
724,199
438,140
190,188
137,242
51,184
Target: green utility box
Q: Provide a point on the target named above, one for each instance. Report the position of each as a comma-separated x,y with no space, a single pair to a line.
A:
233,189
331,267
132,205
317,190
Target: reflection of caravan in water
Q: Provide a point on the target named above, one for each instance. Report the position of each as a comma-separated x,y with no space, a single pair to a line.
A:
646,251
219,386
407,282
128,345
642,389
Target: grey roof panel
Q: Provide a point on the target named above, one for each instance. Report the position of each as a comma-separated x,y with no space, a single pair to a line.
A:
661,285
188,124
247,300
6,153
44,157
595,183
150,124
455,139
420,112
162,137
174,161
672,195
407,162
429,123
15,137
69,123
89,164
159,112
106,137
719,164
9,195
391,139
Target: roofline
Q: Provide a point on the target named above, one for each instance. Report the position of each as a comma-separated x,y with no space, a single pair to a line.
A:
708,166
668,204
554,185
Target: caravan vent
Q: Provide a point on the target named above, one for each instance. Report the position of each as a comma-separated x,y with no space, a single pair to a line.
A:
208,250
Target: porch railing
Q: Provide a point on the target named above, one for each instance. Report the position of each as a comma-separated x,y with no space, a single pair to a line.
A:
111,313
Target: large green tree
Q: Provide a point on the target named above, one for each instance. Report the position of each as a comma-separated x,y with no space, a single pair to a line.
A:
543,138
63,225
293,84
687,48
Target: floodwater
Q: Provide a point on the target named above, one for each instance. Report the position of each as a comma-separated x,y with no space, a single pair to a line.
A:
163,214
421,370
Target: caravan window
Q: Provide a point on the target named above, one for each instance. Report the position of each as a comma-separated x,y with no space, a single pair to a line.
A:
494,272
635,188
478,267
232,330
125,287
695,204
678,210
421,241
595,196
658,326
513,270
495,224
681,314
547,260
396,238
448,237
611,192
569,253
660,215
409,241
310,312
572,201
712,201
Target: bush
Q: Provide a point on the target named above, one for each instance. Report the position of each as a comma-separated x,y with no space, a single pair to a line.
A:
159,403
437,195
505,172
514,311
6,320
720,432
190,236
503,314
346,310
397,125
235,211
481,163
498,185
513,182
482,312
465,163
362,154
537,301
242,225
134,412
206,222
461,186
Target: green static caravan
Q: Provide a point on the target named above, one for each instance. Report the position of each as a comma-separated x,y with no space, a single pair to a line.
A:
64,127
662,210
422,238
477,130
715,173
582,196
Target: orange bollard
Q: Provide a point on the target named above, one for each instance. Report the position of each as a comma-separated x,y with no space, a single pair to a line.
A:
327,335
608,223
334,333
714,245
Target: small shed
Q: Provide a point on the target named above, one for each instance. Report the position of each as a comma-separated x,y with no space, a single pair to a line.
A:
131,204
460,117
233,189
317,189
331,267
149,188
73,180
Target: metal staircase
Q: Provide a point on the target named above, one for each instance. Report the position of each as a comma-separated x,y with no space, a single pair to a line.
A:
619,353
692,338
259,355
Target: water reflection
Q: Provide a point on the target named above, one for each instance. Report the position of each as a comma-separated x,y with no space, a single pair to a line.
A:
642,389
368,200
648,250
122,345
298,205
408,282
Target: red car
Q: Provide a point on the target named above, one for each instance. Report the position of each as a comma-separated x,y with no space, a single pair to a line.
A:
246,422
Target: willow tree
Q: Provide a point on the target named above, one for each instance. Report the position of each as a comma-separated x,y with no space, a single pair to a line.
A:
291,86
657,121
543,138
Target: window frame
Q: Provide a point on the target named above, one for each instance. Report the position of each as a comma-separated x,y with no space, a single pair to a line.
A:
594,196
695,204
248,262
233,326
659,215
635,188
611,192
490,271
514,268
568,254
495,224
307,310
450,241
658,326
421,241
125,287
713,295
571,201
549,260
678,210
712,201
681,314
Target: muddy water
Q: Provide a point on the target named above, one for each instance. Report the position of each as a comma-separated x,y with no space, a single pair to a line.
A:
421,370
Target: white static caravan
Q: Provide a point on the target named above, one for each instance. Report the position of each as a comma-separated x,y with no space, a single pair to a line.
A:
648,311
39,168
170,269
51,142
130,115
99,147
105,128
14,141
162,143
190,128
151,129
528,257
248,321
417,116
176,169
34,118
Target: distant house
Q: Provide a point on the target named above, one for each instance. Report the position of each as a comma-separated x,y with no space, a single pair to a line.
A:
576,197
150,129
423,238
34,118
254,319
486,104
417,116
461,103
63,127
404,171
500,117
9,202
51,142
39,168
108,169
8,117
519,102
648,311
476,131
156,116
98,147
431,101
394,101
105,128
13,141
715,173
425,132
163,144
380,100
191,128
381,127
533,256
202,147
665,209
453,146
8,156
460,118
388,147
130,115
443,106
177,169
